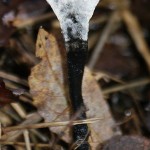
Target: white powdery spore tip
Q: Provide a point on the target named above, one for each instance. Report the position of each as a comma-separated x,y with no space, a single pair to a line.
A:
74,15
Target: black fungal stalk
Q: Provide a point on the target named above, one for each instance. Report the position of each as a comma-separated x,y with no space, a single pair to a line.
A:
77,50
76,58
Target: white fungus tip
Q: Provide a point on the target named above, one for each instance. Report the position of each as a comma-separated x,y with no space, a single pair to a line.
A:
74,15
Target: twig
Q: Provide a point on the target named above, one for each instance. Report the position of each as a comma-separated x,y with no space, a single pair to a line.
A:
30,119
50,124
40,145
39,135
106,76
0,133
137,35
105,34
19,109
31,21
127,86
13,78
27,140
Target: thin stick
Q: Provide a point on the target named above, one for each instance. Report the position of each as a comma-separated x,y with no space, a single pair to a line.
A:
31,21
0,133
107,31
40,145
13,78
30,119
102,75
137,35
127,86
27,139
50,124
19,109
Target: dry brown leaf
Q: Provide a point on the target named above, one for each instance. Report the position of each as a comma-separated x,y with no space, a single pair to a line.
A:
47,82
49,90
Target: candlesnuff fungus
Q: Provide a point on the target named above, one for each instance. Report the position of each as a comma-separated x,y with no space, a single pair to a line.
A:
74,16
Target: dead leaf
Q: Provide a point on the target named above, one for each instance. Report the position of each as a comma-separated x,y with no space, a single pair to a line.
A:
48,87
47,82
